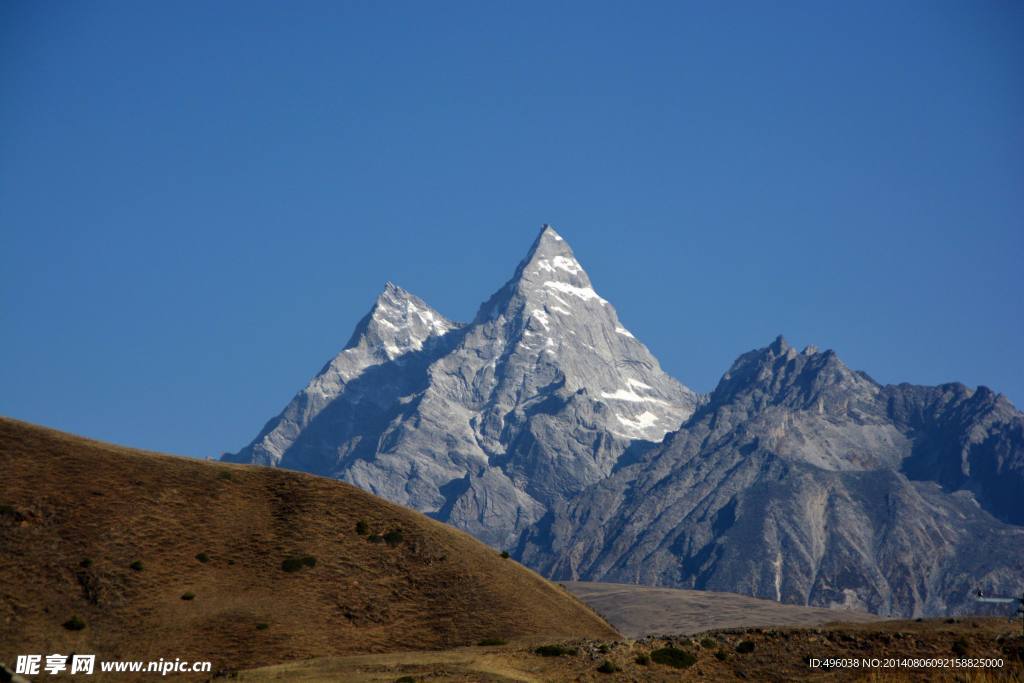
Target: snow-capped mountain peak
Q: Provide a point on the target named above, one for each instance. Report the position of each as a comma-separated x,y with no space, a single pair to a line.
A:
561,329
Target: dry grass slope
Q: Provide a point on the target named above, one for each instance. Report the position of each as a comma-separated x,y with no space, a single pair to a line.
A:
774,655
76,515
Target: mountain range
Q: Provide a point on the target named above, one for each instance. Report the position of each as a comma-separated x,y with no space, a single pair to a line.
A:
544,427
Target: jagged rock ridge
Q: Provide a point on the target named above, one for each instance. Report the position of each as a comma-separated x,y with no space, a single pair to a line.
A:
806,482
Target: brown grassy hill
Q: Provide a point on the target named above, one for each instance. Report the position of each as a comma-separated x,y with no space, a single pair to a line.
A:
75,515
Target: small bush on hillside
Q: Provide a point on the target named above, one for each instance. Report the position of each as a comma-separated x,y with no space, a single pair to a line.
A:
262,626
608,667
553,651
707,643
394,537
673,656
375,538
85,563
492,641
643,659
720,655
188,595
74,624
203,557
960,647
745,647
136,566
505,555
225,475
294,564
362,528
405,679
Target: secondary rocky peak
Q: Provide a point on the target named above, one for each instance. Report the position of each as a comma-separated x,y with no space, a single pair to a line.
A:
400,322
778,374
779,347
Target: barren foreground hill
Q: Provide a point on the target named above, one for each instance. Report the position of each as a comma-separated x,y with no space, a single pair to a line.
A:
159,556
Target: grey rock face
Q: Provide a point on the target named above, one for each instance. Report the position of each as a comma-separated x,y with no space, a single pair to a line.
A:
486,425
965,440
789,485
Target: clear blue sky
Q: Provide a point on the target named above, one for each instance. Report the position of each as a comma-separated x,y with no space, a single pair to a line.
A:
198,200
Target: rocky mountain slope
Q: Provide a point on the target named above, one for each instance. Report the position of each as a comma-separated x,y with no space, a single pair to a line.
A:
485,425
169,557
541,427
787,485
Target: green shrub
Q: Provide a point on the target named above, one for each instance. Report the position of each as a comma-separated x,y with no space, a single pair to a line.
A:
394,537
745,647
294,564
554,651
262,626
608,667
405,679
492,641
85,563
74,624
136,566
643,659
375,538
505,555
225,475
203,557
673,656
362,528
720,655
707,643
960,647
188,595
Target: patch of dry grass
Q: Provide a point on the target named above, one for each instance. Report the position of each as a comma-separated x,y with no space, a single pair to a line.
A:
777,655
